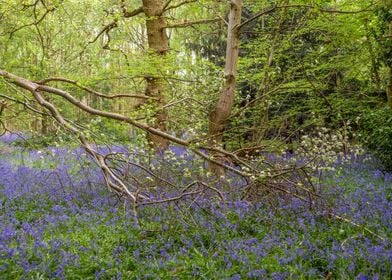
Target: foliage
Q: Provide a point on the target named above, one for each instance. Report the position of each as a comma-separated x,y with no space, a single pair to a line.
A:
376,134
294,61
41,141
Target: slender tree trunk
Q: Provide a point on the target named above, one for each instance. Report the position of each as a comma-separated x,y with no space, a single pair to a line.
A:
262,118
220,115
46,123
373,59
158,44
261,121
389,87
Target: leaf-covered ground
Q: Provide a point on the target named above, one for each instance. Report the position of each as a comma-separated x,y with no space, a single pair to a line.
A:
58,221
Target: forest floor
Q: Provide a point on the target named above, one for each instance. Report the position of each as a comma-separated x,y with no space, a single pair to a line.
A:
58,221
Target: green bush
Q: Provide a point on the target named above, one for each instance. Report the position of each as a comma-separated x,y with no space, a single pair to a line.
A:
376,134
109,130
40,141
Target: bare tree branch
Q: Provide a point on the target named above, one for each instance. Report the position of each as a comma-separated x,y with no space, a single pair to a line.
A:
186,23
106,29
89,90
133,13
168,7
36,22
26,105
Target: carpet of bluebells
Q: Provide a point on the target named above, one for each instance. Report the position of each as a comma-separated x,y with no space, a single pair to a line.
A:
58,221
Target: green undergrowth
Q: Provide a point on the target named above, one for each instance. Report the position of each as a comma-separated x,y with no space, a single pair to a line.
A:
58,233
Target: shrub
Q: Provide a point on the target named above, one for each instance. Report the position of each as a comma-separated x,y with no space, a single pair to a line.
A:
376,134
41,141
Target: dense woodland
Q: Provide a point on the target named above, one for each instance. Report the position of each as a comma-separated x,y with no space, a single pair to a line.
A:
196,139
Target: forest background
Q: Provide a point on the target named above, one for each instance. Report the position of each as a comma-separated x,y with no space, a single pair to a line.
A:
302,65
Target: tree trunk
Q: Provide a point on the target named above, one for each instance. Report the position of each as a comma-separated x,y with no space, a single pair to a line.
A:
158,44
261,120
389,87
373,58
44,125
220,115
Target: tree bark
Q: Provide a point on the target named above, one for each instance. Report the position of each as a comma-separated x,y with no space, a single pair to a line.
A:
220,115
158,44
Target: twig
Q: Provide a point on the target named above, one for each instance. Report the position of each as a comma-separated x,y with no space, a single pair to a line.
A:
357,225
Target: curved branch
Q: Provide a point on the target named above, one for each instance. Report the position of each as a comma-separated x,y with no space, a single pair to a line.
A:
33,23
22,103
92,91
132,13
191,23
167,6
107,28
